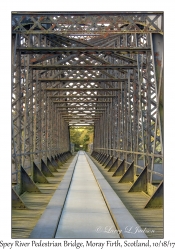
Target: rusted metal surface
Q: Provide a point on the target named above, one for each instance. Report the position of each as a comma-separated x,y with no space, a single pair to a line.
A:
82,79
83,89
81,67
86,50
84,96
82,101
86,23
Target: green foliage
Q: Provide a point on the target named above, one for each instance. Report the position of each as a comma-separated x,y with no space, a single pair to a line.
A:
81,136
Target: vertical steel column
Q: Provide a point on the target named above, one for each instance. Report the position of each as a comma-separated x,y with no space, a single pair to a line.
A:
157,54
141,146
129,121
157,61
16,110
148,108
29,78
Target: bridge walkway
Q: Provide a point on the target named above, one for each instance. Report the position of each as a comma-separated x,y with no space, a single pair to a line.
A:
24,220
85,213
79,202
149,219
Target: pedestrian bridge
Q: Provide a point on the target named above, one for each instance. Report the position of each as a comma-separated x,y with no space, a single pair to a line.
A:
98,69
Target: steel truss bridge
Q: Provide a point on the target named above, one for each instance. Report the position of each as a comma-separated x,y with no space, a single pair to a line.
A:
100,69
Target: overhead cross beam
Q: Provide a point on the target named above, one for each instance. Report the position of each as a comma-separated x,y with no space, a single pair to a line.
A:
84,50
85,108
82,110
93,101
80,113
82,89
82,67
93,106
86,24
80,117
83,96
83,79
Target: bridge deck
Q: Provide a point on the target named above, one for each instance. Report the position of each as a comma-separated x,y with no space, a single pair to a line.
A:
90,207
24,220
150,219
85,207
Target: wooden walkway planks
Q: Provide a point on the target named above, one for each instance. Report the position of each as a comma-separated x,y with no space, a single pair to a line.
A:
148,219
23,221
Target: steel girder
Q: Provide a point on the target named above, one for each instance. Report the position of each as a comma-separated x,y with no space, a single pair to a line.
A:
86,23
79,54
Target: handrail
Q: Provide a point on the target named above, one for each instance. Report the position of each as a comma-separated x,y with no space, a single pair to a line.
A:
140,167
132,152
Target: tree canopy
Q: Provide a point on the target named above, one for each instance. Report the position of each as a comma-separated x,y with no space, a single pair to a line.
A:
81,137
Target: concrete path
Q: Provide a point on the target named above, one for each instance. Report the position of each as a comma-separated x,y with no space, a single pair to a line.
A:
85,214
